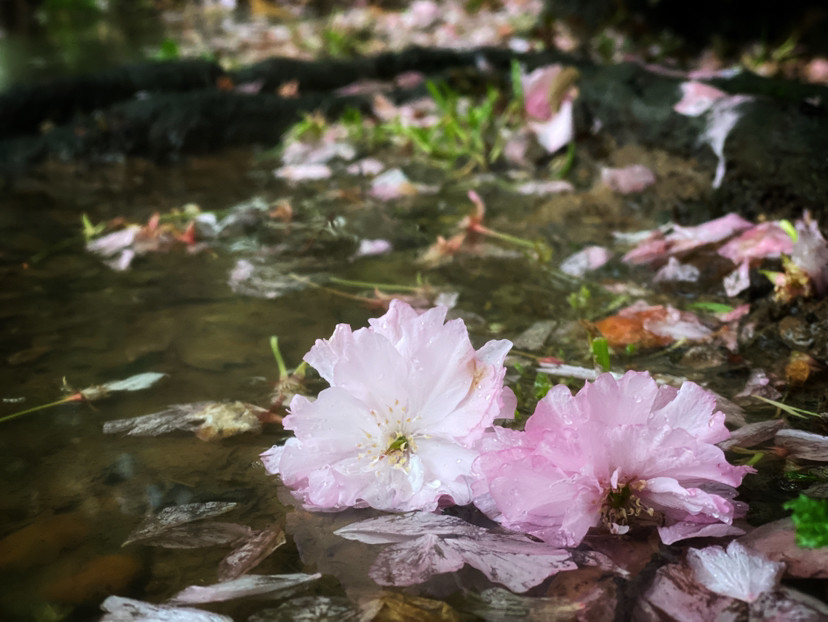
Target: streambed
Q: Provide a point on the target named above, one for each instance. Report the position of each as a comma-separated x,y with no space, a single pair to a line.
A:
298,258
69,316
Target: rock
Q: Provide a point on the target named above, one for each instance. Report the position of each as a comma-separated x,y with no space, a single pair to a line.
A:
41,542
93,581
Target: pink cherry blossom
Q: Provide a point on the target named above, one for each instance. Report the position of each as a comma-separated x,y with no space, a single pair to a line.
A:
398,429
620,452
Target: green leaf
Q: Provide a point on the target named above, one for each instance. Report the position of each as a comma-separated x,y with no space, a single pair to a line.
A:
168,50
542,385
600,352
789,229
517,82
810,517
711,307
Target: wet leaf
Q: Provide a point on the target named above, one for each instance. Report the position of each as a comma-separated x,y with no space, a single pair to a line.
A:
394,607
262,279
137,382
310,609
256,547
208,420
802,445
119,609
264,585
199,535
777,541
497,604
177,515
753,433
394,528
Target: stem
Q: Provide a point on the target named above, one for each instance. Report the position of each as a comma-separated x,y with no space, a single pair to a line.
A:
791,410
274,346
504,236
388,286
72,398
330,290
299,372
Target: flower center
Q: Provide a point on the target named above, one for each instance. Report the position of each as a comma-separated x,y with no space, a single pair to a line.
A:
623,505
399,449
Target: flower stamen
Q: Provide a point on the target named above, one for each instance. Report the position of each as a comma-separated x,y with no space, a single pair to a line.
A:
622,506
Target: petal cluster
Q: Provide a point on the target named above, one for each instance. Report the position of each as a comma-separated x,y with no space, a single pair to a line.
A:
398,428
620,452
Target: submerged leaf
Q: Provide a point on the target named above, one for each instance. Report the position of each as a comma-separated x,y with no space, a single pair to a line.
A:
309,609
250,554
395,607
262,585
177,515
199,535
119,609
497,605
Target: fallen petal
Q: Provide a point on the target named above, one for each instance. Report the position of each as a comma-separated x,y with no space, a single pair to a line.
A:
674,270
415,561
697,98
629,179
736,572
303,172
585,260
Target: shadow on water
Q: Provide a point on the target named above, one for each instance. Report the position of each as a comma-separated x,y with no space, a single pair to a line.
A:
61,37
